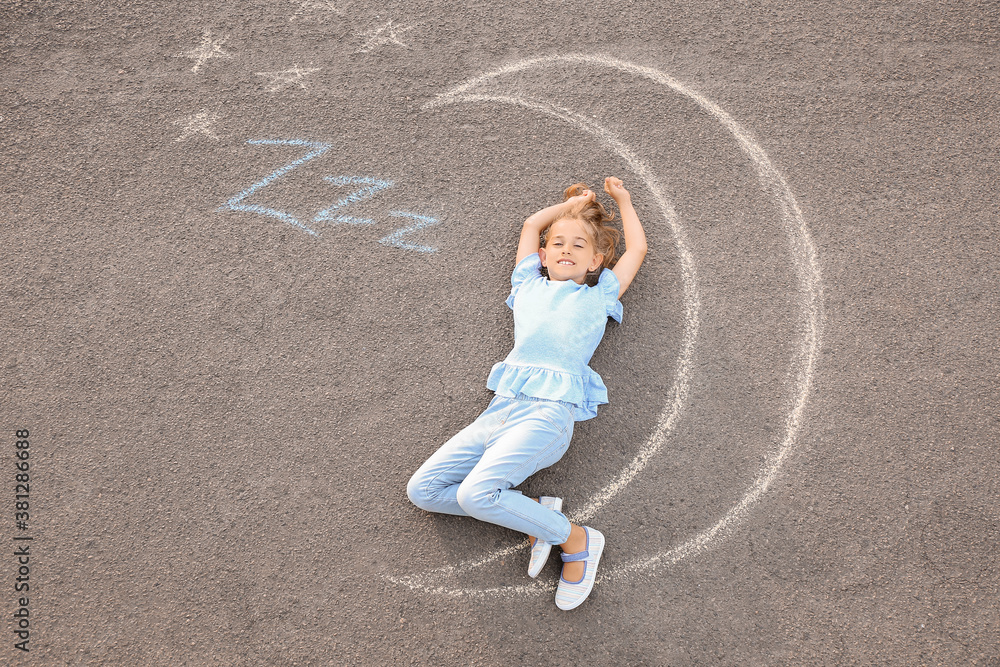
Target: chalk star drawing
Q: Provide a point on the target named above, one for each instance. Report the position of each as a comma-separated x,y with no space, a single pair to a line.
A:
209,48
313,5
387,34
198,123
283,79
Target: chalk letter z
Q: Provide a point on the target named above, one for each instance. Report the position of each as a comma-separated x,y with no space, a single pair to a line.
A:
236,203
396,238
371,187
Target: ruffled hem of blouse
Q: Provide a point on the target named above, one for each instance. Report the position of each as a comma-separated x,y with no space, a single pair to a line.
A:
585,392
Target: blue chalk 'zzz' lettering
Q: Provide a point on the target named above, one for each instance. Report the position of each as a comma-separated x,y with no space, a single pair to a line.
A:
370,187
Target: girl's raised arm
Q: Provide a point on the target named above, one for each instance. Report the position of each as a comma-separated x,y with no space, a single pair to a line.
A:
536,223
635,239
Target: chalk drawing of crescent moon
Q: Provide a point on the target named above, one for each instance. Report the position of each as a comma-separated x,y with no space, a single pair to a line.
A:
810,295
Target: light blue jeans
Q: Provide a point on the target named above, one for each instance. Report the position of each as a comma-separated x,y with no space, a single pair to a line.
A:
473,473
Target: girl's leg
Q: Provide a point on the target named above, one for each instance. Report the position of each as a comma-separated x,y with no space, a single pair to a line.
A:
434,485
534,436
576,543
531,538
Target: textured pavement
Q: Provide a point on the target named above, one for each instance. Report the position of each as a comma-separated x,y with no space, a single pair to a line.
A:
254,263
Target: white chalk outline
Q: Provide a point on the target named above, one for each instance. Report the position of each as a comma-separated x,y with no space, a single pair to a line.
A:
811,296
208,49
377,39
284,78
315,5
198,123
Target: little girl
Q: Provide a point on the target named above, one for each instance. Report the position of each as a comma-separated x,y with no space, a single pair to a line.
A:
561,305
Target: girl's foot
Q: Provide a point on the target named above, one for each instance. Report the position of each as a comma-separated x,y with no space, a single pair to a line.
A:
577,542
540,551
572,592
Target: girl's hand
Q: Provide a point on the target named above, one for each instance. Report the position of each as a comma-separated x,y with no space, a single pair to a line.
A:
613,186
582,198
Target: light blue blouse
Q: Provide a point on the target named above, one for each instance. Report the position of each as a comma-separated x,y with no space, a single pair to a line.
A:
557,326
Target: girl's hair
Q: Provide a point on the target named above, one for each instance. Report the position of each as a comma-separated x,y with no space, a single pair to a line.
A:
594,218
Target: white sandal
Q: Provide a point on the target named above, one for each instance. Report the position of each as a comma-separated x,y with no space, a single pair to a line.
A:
540,550
571,595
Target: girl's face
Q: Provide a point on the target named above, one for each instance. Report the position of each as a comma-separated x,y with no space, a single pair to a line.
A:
569,253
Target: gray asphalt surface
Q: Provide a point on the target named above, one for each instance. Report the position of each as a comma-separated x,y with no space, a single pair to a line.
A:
226,396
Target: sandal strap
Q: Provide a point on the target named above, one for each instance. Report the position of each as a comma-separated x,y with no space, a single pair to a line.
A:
569,558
